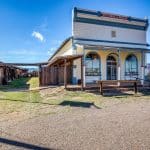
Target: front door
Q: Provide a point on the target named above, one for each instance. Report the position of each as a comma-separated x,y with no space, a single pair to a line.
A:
111,68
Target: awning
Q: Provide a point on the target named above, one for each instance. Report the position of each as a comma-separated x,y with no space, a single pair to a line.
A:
102,47
106,43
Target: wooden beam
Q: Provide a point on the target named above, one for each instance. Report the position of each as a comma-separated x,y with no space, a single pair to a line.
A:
65,73
57,76
115,81
40,75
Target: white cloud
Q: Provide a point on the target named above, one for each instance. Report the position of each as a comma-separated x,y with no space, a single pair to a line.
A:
38,36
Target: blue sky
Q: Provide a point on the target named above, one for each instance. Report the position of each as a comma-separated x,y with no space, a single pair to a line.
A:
31,30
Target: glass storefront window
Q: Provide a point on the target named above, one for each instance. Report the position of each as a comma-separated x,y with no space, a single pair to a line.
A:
131,65
92,64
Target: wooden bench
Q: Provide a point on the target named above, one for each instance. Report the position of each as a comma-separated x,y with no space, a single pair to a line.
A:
102,82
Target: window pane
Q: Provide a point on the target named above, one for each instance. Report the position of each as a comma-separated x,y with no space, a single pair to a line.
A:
89,64
131,64
92,65
96,64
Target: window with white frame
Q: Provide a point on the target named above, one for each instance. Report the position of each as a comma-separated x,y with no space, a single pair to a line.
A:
92,61
131,65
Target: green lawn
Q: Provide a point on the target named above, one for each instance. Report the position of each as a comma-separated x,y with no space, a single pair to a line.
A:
13,99
95,98
33,82
22,83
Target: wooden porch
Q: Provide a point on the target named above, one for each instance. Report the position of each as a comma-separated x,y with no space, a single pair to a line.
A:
60,71
112,86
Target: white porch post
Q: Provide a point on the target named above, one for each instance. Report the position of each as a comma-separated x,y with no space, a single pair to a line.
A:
142,67
119,69
84,81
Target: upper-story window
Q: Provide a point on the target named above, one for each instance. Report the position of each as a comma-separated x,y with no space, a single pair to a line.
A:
113,34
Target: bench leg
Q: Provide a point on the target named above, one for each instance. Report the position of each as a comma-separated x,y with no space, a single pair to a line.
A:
135,87
101,88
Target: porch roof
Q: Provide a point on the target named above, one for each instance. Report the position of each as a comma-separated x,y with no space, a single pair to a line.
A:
24,64
113,44
102,47
60,59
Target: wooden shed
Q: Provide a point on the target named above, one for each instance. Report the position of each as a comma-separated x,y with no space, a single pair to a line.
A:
9,73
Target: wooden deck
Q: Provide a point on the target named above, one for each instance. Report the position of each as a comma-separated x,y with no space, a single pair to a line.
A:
110,87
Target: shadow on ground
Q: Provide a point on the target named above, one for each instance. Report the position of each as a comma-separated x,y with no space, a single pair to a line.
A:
76,104
22,144
64,103
20,100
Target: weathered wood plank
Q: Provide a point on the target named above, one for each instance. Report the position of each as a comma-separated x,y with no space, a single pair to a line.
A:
101,82
116,81
65,73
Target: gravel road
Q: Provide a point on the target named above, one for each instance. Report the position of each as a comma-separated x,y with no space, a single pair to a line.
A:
124,126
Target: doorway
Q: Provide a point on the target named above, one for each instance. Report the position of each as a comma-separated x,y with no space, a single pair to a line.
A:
111,68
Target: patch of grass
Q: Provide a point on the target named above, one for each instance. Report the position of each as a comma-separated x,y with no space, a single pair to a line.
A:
12,100
75,96
95,98
15,101
16,84
36,103
21,83
33,82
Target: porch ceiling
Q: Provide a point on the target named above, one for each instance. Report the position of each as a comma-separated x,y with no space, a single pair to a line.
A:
60,59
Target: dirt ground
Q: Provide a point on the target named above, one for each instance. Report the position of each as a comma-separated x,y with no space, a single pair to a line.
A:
124,126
